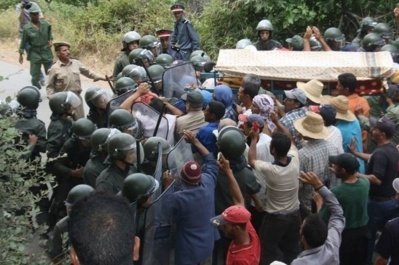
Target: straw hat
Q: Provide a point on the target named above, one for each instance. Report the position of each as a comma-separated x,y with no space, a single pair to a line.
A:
312,89
343,112
312,126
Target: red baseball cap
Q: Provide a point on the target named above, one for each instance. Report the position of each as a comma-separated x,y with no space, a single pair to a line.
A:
236,214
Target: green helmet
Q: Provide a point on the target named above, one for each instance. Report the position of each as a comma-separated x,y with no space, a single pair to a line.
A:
127,69
131,36
199,62
138,74
119,144
139,185
389,48
264,24
241,44
231,142
83,128
92,93
367,23
100,137
296,42
122,119
145,56
134,54
156,71
77,193
124,84
372,41
315,45
333,34
148,42
197,52
164,59
61,102
151,147
383,30
395,43
29,97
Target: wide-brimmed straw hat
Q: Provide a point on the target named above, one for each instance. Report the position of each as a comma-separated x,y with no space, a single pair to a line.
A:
312,126
313,89
341,105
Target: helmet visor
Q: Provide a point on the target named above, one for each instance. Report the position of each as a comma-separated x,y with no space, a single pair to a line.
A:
72,99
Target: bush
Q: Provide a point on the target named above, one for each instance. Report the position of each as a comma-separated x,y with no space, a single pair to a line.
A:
18,210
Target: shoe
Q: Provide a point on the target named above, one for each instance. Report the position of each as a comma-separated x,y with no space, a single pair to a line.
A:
42,82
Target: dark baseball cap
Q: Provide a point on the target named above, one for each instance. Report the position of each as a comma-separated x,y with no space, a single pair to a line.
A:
346,160
385,125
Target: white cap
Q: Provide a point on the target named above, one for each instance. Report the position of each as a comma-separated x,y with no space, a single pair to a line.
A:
277,263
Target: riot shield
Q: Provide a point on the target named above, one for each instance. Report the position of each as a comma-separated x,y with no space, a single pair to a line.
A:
177,78
178,156
149,118
157,247
116,102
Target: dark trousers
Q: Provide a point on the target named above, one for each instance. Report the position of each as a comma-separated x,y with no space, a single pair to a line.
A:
279,236
380,212
353,250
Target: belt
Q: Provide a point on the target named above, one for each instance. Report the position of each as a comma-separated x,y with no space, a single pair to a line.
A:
284,213
381,198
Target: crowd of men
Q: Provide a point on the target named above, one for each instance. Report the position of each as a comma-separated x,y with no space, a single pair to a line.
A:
310,179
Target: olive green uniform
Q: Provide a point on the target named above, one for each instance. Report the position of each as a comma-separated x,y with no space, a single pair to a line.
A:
120,63
36,127
93,168
56,246
39,52
58,132
111,179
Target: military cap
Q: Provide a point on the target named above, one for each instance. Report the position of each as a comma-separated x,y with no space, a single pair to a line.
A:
163,33
34,9
58,44
177,8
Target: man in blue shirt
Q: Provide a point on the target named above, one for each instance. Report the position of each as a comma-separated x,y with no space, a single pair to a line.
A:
192,206
213,113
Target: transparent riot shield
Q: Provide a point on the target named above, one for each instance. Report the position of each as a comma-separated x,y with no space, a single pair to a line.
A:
157,241
178,156
115,103
177,78
148,118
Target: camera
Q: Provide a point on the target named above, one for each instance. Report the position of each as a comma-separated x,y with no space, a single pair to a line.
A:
26,4
176,47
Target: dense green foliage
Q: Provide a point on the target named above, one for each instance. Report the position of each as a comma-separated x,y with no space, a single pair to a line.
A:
224,22
17,209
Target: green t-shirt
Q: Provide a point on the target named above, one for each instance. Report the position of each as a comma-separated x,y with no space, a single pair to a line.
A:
353,198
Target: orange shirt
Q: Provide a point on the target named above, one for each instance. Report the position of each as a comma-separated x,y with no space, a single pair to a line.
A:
356,102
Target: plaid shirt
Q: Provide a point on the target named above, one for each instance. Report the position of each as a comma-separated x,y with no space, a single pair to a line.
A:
288,121
231,113
314,157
